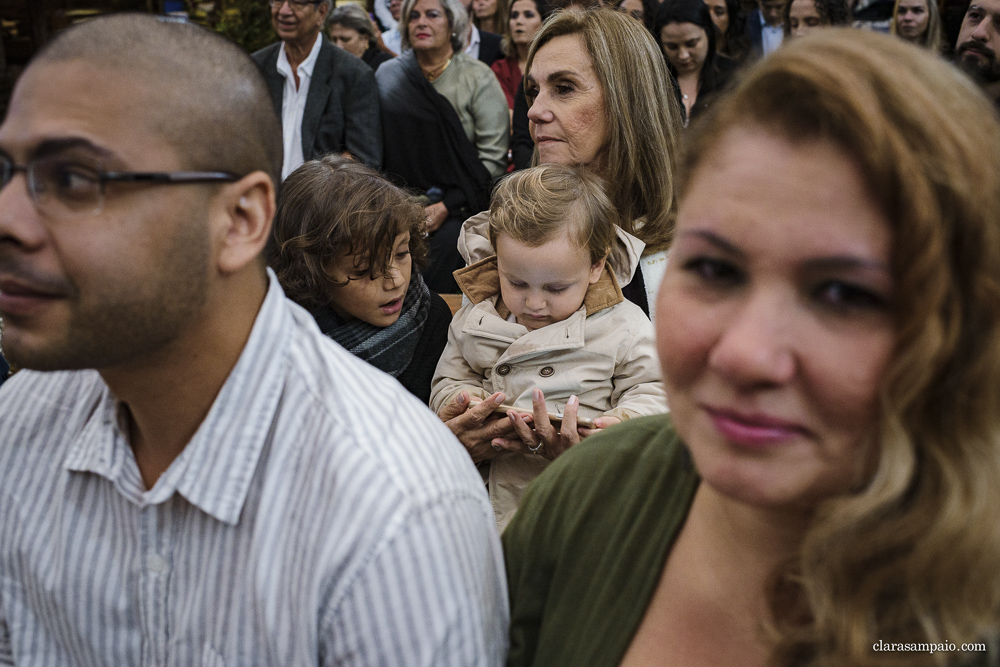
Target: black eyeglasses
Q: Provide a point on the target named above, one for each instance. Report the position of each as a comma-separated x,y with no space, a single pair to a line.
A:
65,186
298,4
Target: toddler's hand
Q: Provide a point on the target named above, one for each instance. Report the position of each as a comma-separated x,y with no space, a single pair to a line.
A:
600,423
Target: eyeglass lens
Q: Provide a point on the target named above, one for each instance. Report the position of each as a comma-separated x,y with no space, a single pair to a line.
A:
60,184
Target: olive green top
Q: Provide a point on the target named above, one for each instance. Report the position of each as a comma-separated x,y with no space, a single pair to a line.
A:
588,544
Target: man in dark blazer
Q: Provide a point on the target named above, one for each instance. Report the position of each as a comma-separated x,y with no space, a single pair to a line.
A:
765,27
485,46
327,99
490,46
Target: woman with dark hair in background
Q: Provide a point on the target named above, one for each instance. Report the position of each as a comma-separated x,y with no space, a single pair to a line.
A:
643,11
687,37
731,28
487,15
345,246
804,16
350,28
918,21
446,127
524,19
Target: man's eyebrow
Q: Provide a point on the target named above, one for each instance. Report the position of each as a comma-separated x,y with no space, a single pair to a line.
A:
62,144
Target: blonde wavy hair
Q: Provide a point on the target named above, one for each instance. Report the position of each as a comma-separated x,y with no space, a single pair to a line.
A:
641,114
933,37
533,205
914,556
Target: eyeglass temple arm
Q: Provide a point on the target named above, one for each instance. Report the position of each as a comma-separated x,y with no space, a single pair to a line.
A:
168,177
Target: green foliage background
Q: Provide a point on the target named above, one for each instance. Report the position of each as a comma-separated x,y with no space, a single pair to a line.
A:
248,23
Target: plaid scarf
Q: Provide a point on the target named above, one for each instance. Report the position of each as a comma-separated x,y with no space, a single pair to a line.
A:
390,348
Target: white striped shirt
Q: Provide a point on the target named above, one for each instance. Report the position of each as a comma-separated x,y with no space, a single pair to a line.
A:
319,515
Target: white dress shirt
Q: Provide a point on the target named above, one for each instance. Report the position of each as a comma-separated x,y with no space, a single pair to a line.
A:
770,36
320,515
473,48
293,106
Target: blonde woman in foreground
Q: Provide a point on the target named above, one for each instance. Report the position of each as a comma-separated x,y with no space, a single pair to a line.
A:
828,482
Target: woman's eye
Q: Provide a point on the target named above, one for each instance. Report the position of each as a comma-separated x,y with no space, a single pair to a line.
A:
714,271
563,88
846,296
530,94
529,15
402,254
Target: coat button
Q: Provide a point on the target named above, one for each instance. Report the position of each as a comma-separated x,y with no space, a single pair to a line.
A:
547,371
503,369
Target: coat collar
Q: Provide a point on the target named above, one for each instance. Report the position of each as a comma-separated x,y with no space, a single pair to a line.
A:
481,281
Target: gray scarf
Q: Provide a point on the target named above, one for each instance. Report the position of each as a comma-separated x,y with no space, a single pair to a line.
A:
390,348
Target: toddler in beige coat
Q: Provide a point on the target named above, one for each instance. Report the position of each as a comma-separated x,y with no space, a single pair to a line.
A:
546,312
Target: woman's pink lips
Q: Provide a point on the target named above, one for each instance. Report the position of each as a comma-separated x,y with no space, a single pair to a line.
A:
753,430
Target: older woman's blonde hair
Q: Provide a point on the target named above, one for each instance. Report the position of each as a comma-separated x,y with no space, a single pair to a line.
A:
641,114
932,38
458,20
913,556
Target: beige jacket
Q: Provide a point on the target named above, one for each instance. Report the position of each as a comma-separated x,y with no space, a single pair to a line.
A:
604,354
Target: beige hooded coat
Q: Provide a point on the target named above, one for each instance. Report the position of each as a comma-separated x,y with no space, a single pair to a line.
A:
604,354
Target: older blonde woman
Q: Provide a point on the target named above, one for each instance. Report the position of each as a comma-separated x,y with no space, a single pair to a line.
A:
600,98
826,490
445,127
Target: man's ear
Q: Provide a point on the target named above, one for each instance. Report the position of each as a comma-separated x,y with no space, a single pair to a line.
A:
241,220
596,269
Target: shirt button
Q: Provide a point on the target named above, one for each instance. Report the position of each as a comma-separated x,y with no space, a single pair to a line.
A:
503,369
546,371
156,564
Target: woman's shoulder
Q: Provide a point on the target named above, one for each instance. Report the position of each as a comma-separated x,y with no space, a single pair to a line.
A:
472,68
600,478
586,546
375,58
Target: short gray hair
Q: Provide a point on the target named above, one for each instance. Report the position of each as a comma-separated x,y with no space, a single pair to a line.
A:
352,17
458,20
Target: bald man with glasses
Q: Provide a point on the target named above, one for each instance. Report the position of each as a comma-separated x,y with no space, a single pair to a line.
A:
191,473
327,98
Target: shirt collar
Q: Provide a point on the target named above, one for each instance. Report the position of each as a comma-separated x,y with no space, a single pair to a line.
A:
306,66
473,40
216,468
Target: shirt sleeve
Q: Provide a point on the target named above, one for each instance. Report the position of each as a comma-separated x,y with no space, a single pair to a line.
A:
433,595
638,389
362,119
6,650
489,109
453,373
